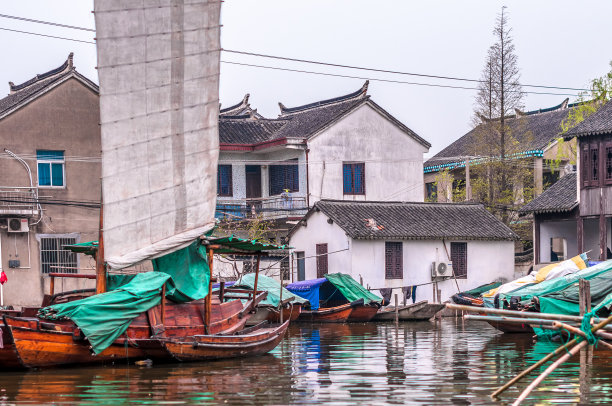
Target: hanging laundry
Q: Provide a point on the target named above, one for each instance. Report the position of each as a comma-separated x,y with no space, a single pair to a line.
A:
409,292
386,295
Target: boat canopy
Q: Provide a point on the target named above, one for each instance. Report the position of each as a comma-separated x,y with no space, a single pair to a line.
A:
333,287
270,285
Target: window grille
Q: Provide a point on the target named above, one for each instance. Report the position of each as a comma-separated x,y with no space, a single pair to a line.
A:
284,269
284,177
594,165
353,178
608,167
53,256
459,258
248,266
321,260
224,180
394,266
50,165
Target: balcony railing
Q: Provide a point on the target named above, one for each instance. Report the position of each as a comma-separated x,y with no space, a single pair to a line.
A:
18,201
271,208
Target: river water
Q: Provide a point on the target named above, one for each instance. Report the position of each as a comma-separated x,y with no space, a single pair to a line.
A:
425,363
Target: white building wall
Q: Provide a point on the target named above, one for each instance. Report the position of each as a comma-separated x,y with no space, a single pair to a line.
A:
487,260
393,159
319,231
558,229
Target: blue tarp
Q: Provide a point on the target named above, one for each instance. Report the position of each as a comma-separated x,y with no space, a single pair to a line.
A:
309,290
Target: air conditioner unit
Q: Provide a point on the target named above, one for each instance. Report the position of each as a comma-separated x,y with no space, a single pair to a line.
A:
16,225
441,269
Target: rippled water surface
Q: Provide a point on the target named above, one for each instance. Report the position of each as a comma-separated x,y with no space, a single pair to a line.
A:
447,362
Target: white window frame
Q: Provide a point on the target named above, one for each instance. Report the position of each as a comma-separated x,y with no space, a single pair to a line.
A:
49,162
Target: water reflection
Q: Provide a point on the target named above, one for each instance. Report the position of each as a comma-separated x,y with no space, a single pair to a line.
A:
414,363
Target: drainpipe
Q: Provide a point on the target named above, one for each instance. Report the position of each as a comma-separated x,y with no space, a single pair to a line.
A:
307,181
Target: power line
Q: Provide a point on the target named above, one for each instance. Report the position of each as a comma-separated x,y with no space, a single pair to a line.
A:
47,22
379,80
385,70
48,36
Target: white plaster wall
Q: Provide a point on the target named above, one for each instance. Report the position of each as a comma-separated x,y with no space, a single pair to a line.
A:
487,260
591,237
319,231
563,229
393,160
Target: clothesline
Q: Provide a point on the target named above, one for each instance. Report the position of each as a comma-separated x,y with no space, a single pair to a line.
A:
400,287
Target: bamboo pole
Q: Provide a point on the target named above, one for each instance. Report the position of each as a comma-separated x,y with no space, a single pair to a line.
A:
280,301
163,304
547,372
100,265
396,310
558,351
256,277
513,320
550,316
208,300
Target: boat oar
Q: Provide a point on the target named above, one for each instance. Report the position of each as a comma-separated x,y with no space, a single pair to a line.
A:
547,358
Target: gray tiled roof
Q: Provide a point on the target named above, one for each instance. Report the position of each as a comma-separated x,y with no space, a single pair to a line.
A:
414,221
244,130
560,197
598,123
532,130
31,87
302,122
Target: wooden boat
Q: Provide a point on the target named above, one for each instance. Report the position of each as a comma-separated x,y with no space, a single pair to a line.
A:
363,313
337,314
419,311
511,327
256,340
39,343
271,314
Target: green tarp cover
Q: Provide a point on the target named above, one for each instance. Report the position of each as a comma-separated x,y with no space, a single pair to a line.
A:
228,244
189,270
352,290
543,288
104,317
482,289
271,286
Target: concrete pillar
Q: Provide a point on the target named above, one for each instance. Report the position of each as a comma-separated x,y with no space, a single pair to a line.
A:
538,176
468,182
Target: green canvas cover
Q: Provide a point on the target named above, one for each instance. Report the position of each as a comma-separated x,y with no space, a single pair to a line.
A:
271,286
189,270
543,288
232,244
482,289
104,317
352,290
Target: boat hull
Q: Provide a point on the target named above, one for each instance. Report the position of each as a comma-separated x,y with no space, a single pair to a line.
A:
363,313
420,311
511,328
338,314
211,347
48,344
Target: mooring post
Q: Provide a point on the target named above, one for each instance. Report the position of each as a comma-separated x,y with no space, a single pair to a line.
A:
396,309
584,296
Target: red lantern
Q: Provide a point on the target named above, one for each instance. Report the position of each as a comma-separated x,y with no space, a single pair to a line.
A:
3,278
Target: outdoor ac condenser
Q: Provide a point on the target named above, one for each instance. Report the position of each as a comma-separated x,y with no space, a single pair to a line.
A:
17,225
441,269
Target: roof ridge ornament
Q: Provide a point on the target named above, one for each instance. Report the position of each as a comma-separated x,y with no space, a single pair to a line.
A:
359,94
66,67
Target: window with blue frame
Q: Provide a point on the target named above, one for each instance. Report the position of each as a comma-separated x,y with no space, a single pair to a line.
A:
51,168
353,178
284,177
224,180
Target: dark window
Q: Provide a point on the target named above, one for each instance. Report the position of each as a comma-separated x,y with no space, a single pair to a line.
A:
248,266
608,164
459,258
432,190
284,177
53,256
394,267
594,160
585,165
284,269
321,260
224,180
353,178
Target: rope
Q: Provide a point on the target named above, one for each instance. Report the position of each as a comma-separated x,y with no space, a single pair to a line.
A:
586,328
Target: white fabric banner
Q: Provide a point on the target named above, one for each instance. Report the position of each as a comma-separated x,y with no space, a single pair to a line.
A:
158,64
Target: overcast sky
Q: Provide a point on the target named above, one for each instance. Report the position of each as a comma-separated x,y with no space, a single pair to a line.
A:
558,43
